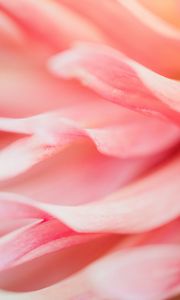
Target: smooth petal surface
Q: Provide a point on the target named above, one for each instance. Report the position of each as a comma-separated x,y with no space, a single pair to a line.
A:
25,84
156,256
135,24
42,236
66,177
157,276
167,10
74,288
89,149
50,133
55,33
10,34
47,134
134,209
55,266
36,240
119,79
143,249
25,248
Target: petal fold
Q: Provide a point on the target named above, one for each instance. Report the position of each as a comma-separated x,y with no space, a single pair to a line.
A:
52,132
119,79
139,30
157,277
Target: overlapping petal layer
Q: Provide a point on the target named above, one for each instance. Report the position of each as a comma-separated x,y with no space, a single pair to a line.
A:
135,31
129,210
119,79
150,265
44,234
156,251
67,153
10,34
131,19
168,11
55,33
47,134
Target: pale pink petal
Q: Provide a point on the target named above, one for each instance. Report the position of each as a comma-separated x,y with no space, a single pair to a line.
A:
25,85
135,139
160,236
22,155
74,288
68,153
48,22
119,79
10,34
145,273
167,10
135,30
55,266
145,135
67,177
36,240
50,133
79,174
17,207
40,237
156,256
133,209
43,235
146,204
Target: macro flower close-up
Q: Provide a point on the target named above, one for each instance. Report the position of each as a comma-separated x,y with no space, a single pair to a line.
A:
89,149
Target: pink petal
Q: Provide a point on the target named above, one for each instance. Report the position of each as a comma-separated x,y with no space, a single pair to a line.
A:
133,209
167,10
138,143
156,256
157,278
68,176
56,266
48,230
10,34
48,22
36,240
41,237
119,79
58,130
76,287
16,207
50,133
134,30
30,241
25,84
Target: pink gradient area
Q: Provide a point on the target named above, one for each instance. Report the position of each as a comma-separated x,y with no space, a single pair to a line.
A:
54,226
56,264
55,33
23,78
167,10
132,209
136,31
45,247
44,136
89,150
119,79
66,177
135,24
149,264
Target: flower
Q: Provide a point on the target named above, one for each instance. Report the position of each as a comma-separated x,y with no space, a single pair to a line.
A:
89,161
